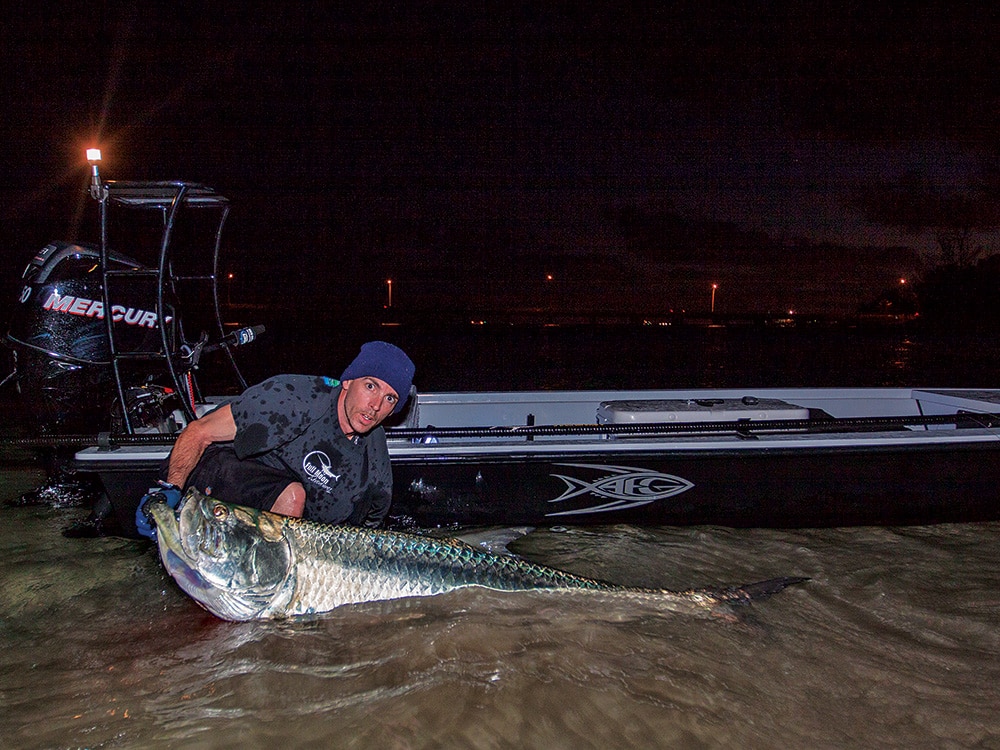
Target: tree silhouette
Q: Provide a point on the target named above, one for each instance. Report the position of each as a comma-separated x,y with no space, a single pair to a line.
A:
956,216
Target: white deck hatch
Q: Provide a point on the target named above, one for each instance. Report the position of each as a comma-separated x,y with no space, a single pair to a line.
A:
697,410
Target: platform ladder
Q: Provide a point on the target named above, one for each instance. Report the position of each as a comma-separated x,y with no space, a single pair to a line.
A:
168,198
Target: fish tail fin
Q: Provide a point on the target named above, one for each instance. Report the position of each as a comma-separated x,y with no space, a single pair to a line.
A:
751,592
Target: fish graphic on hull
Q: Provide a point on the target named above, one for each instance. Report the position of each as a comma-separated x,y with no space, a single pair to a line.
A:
625,487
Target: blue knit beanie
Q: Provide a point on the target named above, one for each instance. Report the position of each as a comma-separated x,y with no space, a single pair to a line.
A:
384,361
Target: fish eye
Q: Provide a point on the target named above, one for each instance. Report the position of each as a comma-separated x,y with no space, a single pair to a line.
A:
220,512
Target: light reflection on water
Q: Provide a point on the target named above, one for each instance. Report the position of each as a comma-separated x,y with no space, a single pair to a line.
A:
903,352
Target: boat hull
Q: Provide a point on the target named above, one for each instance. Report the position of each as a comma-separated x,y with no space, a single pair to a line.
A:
743,486
756,488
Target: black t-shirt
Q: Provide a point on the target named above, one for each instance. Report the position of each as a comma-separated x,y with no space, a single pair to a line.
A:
289,422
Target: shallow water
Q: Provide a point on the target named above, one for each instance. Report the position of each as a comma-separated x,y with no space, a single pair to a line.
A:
894,642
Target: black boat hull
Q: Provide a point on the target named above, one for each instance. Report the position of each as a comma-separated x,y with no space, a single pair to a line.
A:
770,487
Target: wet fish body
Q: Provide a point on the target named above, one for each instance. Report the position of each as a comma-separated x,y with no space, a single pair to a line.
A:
245,564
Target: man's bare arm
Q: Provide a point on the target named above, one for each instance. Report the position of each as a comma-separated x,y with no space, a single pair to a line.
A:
215,427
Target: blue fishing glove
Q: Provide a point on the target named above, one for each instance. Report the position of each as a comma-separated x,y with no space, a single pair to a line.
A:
169,492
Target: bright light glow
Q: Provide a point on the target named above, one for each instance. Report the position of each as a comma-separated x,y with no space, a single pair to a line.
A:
93,154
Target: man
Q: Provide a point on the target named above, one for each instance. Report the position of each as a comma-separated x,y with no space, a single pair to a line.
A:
298,445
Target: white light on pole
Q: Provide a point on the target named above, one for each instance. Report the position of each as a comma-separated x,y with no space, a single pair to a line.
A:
93,158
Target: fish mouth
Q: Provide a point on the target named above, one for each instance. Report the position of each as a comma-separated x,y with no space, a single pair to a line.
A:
175,558
167,520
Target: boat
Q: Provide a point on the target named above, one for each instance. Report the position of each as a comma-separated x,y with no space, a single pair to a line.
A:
790,457
767,458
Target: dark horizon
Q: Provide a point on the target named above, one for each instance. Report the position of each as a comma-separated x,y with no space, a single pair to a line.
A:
637,156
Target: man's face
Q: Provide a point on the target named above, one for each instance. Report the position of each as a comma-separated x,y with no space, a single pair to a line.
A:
365,402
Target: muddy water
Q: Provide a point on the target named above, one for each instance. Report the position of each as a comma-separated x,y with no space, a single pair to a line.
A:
894,642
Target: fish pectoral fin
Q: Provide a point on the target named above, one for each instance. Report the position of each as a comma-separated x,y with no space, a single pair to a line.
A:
495,540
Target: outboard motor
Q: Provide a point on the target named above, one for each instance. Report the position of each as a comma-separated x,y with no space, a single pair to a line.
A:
97,378
60,338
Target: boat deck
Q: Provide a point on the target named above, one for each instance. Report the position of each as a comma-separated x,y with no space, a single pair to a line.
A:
569,422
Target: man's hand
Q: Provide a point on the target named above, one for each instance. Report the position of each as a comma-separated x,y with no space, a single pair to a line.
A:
169,492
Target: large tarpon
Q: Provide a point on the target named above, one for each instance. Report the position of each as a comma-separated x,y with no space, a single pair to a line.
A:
245,564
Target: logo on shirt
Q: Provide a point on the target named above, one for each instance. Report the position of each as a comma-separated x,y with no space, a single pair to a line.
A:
318,467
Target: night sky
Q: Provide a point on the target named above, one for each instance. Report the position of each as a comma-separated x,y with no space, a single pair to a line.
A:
635,152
